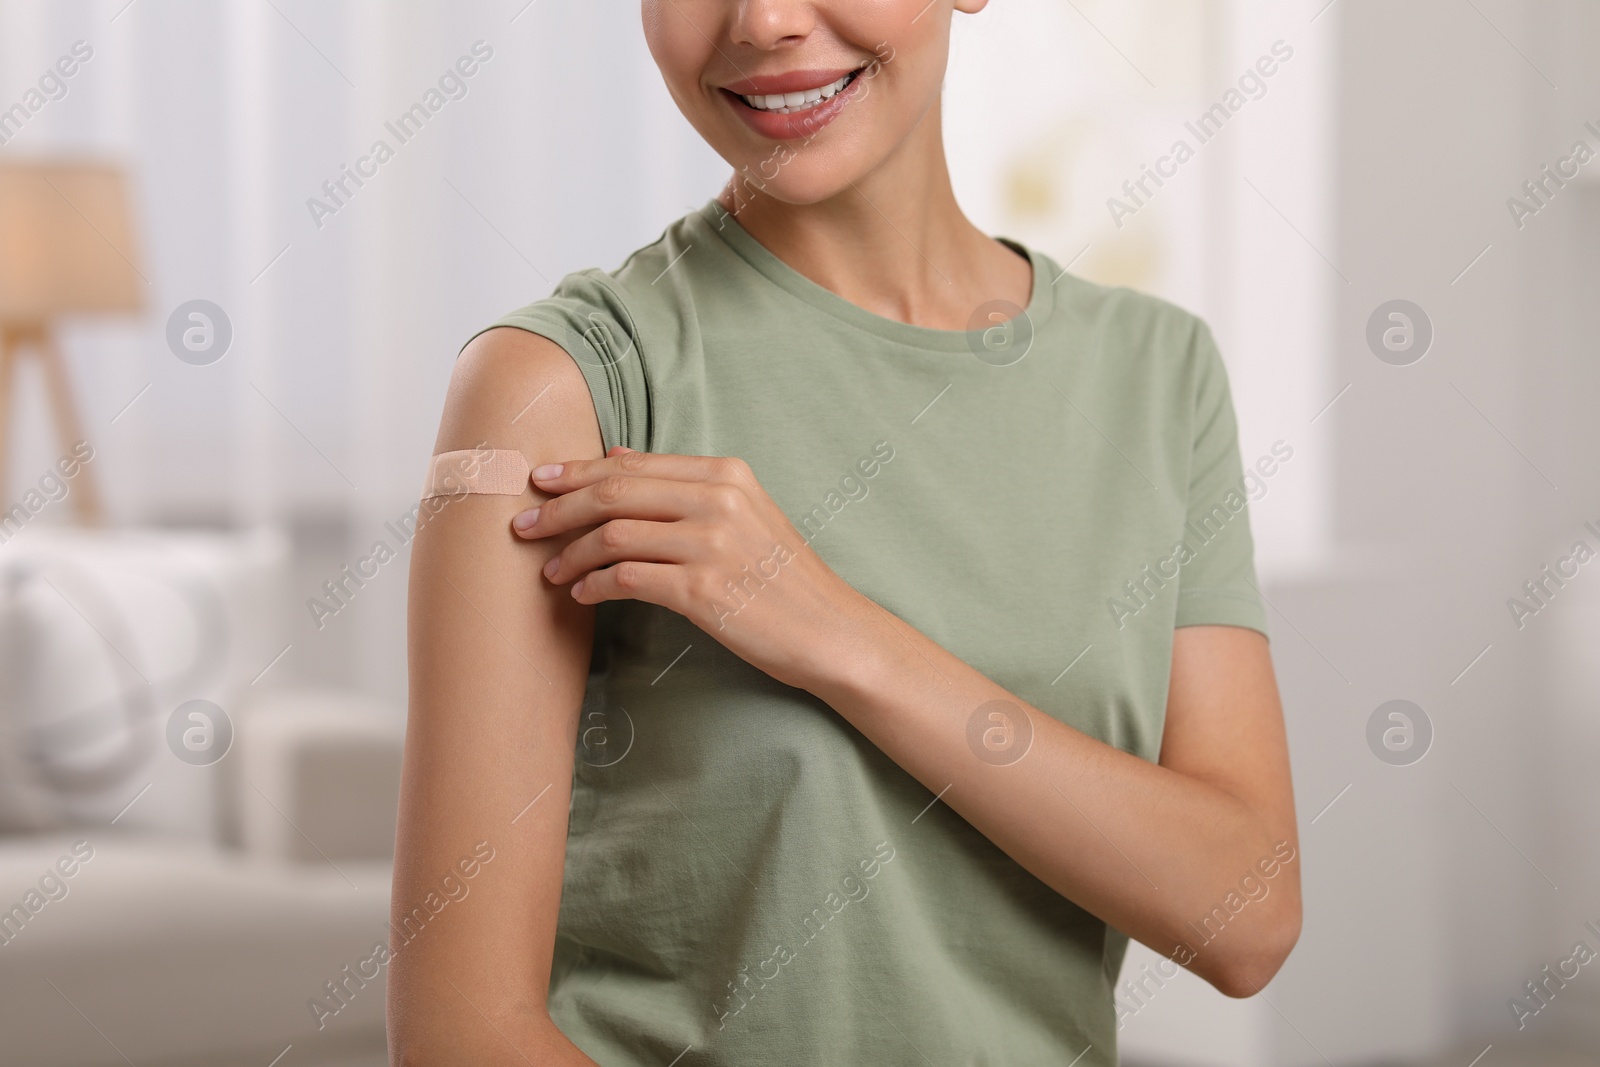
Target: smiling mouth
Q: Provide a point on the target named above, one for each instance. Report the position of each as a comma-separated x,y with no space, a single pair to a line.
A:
795,103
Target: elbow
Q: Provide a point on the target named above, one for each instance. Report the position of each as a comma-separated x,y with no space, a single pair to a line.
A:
1247,971
427,1028
408,1044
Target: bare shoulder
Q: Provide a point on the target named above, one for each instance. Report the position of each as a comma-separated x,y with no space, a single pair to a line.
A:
514,389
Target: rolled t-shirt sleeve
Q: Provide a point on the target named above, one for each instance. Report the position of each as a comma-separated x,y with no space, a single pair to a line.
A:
1216,576
586,316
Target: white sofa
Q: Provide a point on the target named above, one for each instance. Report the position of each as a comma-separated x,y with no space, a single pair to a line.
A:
168,953
171,952
211,899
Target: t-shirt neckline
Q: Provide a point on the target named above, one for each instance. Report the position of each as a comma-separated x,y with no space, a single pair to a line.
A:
1041,302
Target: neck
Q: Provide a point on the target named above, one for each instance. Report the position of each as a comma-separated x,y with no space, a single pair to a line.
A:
894,242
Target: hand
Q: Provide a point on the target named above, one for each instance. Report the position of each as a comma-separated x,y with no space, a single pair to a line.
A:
697,535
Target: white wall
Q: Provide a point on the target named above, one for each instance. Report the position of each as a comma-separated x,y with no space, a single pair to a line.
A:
1433,893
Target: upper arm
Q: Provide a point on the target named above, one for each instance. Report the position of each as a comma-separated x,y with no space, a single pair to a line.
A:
1225,728
498,659
1225,719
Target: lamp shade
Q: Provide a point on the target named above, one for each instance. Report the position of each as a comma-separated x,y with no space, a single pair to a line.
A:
66,242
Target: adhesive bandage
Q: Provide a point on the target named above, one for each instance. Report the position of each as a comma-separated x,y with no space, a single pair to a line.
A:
496,471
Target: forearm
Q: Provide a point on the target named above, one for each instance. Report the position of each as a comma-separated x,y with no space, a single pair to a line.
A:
1146,849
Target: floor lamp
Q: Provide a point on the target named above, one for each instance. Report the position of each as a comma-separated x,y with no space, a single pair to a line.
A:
65,249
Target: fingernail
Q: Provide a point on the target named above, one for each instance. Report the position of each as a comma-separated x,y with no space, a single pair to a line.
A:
577,588
525,521
546,472
553,566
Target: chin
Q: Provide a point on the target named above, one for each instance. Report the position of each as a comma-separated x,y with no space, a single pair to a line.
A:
799,184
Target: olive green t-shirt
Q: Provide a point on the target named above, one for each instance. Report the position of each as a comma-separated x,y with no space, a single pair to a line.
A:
750,882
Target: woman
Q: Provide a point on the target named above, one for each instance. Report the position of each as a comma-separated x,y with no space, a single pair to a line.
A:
900,585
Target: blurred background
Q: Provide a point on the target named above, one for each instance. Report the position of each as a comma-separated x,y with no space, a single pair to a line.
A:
223,358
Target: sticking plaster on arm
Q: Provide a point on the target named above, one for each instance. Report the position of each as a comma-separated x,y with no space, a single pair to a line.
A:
495,471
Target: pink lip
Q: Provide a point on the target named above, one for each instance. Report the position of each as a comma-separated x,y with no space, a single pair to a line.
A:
794,81
791,127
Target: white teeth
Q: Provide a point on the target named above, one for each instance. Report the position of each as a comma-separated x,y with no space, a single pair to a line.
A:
788,103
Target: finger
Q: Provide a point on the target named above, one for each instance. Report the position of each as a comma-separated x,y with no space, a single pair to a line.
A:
622,497
665,584
624,539
574,474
